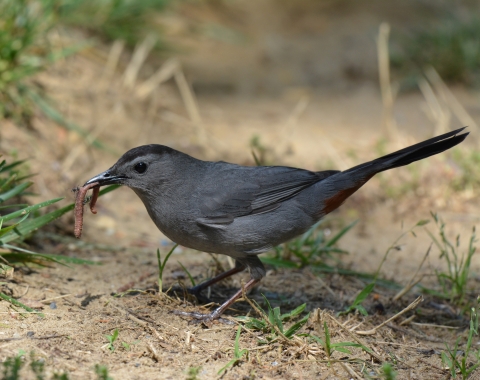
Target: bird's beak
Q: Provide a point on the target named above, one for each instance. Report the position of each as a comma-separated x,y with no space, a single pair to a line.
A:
106,178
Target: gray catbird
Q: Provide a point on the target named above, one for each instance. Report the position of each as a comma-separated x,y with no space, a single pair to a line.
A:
243,211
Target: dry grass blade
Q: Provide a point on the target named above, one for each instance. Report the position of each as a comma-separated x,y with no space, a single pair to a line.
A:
112,60
355,338
451,99
350,371
411,283
373,331
191,105
140,54
54,298
153,351
408,320
438,111
292,121
388,91
80,149
434,325
164,73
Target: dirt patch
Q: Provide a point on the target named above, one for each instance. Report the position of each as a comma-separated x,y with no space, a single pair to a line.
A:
84,304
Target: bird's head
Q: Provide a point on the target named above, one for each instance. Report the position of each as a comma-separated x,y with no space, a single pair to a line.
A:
140,168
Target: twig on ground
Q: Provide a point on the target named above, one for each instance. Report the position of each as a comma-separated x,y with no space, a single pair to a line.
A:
49,336
54,298
153,351
434,325
350,370
373,331
414,334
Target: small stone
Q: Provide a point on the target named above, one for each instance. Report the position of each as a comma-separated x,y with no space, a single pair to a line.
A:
137,364
23,326
53,305
30,334
16,335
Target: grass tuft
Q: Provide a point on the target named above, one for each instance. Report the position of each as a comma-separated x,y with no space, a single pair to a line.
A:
454,280
452,48
272,322
161,266
127,20
237,353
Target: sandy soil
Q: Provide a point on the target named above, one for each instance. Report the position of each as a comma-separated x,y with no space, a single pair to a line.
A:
329,128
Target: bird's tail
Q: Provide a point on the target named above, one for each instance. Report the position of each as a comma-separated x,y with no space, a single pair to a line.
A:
341,185
411,154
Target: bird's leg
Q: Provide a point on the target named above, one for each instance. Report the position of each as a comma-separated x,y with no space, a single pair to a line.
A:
196,290
219,310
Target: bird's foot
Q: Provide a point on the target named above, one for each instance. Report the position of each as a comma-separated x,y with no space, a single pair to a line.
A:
203,318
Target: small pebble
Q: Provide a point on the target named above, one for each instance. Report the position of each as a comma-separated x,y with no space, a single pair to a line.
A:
137,364
23,326
30,334
53,305
16,335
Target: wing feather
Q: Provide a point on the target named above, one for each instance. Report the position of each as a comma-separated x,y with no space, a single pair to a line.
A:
244,191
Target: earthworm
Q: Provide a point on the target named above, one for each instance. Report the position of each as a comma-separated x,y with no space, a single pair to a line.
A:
93,200
81,192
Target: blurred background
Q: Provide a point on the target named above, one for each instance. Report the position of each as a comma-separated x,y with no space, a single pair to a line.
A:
315,84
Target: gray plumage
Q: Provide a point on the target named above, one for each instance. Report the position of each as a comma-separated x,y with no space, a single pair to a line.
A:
243,211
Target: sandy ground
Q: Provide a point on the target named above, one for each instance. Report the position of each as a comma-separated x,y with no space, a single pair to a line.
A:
330,128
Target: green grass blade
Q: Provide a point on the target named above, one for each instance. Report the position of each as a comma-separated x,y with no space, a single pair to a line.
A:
341,349
228,365
6,168
339,235
317,339
297,326
277,319
237,351
108,189
28,209
19,304
6,183
188,273
68,51
19,205
15,191
25,255
327,339
5,230
362,296
297,311
29,226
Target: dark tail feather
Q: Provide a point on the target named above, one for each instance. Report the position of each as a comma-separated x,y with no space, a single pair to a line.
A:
413,153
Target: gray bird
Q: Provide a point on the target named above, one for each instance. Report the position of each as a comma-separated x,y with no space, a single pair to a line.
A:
242,211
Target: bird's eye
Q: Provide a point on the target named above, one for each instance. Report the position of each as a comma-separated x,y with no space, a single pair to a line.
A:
140,167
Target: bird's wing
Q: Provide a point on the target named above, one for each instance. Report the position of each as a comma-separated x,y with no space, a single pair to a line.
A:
239,191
